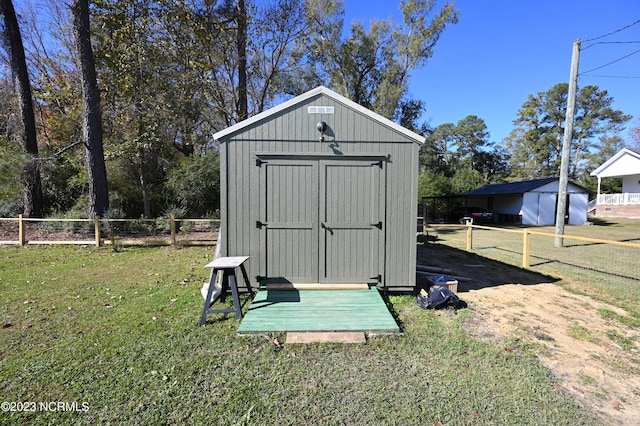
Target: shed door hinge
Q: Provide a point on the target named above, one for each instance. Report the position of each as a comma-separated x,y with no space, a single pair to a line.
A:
377,225
259,162
259,224
377,163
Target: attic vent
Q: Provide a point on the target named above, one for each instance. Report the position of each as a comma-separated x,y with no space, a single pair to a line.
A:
320,110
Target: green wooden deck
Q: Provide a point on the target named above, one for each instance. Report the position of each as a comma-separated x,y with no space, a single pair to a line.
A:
318,310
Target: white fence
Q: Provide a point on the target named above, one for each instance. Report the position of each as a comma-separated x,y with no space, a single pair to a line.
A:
619,199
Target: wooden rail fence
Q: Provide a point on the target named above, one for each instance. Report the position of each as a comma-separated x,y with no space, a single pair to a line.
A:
101,231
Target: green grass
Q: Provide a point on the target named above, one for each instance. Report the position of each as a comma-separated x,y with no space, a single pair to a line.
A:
631,321
118,333
605,272
623,341
579,332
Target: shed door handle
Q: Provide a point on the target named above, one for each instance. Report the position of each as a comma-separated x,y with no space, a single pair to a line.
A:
324,225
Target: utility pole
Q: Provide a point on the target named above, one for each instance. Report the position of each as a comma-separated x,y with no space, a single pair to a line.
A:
566,145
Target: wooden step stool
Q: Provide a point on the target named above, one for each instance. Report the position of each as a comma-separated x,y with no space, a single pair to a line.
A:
228,267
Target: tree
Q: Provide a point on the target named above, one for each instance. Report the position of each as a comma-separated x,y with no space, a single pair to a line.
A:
262,36
195,183
596,122
135,61
372,68
465,179
470,137
635,136
32,185
535,144
57,95
91,111
241,45
606,147
435,154
12,159
450,148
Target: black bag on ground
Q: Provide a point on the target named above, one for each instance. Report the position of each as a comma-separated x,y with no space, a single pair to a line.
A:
440,297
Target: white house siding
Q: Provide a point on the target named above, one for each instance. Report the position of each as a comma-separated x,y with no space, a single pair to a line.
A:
631,184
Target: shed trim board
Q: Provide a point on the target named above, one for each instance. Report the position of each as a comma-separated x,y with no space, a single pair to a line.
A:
310,208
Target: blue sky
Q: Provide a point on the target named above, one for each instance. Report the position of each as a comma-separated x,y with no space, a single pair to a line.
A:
503,50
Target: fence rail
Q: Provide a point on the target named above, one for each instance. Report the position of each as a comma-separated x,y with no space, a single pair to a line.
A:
102,231
580,258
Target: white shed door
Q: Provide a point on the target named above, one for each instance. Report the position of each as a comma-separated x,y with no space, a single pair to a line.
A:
547,214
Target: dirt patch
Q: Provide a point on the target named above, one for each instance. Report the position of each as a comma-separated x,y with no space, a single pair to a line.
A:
593,355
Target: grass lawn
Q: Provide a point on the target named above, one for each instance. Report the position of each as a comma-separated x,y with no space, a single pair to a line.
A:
115,337
605,272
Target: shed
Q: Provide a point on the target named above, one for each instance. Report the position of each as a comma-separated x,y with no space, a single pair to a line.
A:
320,190
531,202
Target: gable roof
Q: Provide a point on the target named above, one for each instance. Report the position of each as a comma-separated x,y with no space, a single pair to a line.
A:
517,188
512,188
320,90
627,160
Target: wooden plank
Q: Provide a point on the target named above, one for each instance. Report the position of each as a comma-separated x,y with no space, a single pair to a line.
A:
314,286
318,311
326,337
227,262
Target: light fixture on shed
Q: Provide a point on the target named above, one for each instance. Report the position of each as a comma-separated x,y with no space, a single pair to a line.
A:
321,126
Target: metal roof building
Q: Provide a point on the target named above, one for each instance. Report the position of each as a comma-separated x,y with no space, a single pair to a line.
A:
533,202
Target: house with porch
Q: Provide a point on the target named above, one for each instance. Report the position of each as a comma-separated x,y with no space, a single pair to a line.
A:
625,164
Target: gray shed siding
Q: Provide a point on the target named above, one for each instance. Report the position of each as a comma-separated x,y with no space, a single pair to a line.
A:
290,137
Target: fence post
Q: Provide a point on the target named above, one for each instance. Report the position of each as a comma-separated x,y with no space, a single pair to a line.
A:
469,236
21,234
97,227
173,230
526,248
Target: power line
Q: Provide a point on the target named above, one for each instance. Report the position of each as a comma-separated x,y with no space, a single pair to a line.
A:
610,42
613,32
612,62
609,76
